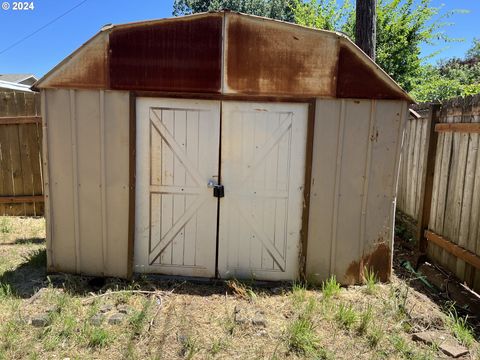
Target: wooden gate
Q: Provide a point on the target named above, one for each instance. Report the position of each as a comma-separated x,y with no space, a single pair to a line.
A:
21,183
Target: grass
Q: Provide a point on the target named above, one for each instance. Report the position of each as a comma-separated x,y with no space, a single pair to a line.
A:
459,327
301,336
366,318
370,280
330,287
299,294
189,347
374,337
346,316
198,320
138,319
98,337
5,226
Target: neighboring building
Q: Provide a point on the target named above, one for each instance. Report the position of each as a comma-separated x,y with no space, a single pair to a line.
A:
221,145
23,79
7,86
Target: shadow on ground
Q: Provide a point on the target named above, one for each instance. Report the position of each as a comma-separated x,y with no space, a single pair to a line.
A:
29,276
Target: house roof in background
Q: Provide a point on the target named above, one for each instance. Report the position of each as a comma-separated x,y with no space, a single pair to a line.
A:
14,86
17,78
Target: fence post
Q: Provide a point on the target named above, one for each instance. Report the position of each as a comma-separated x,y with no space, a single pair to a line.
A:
427,188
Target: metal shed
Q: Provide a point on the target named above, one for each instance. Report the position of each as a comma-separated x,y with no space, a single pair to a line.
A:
221,145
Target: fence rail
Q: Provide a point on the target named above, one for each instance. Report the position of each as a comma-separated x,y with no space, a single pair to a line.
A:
21,184
439,184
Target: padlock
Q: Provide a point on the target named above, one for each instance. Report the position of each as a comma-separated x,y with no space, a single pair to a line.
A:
218,191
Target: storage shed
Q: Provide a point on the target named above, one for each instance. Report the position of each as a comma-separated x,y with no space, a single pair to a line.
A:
221,145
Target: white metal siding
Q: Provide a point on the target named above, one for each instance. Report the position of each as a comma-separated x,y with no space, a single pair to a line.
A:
355,157
87,140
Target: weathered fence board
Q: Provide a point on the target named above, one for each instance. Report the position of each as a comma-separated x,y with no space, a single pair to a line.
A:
454,203
20,154
412,169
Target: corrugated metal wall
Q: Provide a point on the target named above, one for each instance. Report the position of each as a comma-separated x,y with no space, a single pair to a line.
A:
355,158
86,142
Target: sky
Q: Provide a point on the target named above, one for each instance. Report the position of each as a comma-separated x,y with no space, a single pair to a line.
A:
51,41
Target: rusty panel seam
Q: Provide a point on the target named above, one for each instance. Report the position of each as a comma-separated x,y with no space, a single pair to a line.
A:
338,169
366,179
46,186
73,133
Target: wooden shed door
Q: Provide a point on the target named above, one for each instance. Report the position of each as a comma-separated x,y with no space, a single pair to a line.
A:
176,214
262,170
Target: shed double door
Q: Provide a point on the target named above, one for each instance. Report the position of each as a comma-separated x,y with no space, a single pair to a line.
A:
256,151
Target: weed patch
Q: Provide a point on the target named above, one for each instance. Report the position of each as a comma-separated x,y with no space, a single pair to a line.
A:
346,316
98,337
370,280
459,327
330,287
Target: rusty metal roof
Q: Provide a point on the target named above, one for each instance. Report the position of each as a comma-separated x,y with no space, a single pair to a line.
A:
224,53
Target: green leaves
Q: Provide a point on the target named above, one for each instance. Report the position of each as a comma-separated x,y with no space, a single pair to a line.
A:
322,14
275,9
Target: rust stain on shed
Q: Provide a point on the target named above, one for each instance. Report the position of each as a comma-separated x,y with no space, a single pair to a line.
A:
84,69
359,79
269,57
229,53
378,261
175,55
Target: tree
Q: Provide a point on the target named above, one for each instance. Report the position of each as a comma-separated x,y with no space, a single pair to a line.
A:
450,78
275,9
365,29
402,27
323,14
474,51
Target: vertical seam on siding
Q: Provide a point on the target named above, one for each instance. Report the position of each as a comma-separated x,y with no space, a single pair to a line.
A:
338,168
396,171
46,184
401,137
366,179
76,220
103,184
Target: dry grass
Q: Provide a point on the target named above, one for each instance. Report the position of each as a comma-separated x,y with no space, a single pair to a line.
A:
198,321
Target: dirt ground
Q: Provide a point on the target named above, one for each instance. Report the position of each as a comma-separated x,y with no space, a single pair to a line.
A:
63,316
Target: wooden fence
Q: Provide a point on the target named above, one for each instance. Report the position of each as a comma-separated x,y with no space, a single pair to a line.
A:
21,181
439,184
